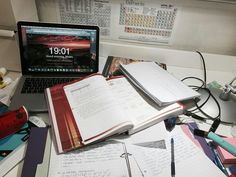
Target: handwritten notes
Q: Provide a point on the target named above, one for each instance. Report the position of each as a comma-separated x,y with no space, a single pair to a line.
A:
105,160
98,160
189,159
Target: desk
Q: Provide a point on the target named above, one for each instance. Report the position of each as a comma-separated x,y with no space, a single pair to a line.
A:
221,77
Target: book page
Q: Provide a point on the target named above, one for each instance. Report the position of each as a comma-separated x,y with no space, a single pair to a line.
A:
132,103
94,108
141,110
100,160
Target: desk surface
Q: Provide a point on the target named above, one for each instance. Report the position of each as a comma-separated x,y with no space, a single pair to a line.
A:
180,72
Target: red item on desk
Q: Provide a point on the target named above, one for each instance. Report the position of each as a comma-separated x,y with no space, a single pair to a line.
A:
225,156
12,121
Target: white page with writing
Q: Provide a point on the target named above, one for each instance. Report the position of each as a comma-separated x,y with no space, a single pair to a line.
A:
130,101
100,160
189,159
139,109
159,83
94,107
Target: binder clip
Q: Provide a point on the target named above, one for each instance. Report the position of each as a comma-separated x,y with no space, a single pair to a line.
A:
12,121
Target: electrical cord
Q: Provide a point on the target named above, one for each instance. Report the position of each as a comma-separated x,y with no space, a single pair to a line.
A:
203,86
204,68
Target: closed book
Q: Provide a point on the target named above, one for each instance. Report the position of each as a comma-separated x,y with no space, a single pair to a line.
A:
161,86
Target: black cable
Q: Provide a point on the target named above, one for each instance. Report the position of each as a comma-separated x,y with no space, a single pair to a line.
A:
204,68
197,88
200,106
194,86
204,113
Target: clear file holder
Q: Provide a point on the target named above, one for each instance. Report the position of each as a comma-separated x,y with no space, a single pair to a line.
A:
126,155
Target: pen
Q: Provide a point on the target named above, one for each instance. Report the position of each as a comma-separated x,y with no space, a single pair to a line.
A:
172,158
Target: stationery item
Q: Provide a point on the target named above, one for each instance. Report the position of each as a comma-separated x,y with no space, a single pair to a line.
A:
225,156
12,147
52,53
112,65
93,108
172,158
106,159
217,160
158,84
37,153
231,148
12,121
189,159
200,141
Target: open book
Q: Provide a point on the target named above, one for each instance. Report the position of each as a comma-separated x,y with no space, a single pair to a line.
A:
159,85
93,108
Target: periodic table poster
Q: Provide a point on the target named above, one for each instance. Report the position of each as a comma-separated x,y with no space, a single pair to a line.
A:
128,20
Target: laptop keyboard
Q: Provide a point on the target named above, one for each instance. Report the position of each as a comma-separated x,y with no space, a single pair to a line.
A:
37,85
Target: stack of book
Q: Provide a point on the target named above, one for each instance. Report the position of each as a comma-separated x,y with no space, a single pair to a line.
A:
94,108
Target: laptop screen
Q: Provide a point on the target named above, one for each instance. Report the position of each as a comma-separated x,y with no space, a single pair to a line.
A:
58,48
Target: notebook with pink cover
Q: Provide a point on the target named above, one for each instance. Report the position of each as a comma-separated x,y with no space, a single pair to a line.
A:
225,156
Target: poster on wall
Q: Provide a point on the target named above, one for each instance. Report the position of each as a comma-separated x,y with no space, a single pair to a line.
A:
127,20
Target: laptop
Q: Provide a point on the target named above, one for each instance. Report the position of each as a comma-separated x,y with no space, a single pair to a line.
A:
51,54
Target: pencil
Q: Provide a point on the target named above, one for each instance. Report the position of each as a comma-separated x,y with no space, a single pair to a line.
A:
172,158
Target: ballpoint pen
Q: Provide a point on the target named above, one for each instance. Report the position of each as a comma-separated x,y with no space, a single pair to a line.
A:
172,158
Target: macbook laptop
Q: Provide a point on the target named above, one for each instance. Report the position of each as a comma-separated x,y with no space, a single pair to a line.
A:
52,54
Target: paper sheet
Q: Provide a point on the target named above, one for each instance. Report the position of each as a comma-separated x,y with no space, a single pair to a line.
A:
100,160
105,160
189,159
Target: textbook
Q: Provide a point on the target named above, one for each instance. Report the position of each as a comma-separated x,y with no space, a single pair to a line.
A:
112,65
93,108
158,84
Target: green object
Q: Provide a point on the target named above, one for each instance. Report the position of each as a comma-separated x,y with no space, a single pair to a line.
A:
220,141
214,84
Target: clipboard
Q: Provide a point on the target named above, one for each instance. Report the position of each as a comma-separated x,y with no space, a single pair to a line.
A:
37,153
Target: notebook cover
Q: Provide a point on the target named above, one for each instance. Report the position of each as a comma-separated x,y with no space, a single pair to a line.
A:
225,156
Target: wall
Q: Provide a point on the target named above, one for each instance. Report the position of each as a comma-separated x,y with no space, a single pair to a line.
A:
209,27
12,11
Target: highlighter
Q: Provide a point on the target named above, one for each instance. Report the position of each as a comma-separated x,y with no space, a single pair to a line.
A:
224,144
217,139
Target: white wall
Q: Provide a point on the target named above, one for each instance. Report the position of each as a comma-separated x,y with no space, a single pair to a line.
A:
201,25
12,11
